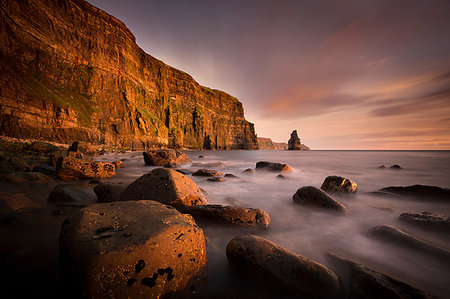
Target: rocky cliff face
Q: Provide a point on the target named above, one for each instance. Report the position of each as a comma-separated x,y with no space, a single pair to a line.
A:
267,144
72,72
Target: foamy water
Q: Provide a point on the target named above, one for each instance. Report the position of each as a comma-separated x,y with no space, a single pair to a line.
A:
314,233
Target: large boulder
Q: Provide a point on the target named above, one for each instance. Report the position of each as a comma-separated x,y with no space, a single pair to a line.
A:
294,142
166,186
314,197
229,215
273,261
65,193
109,192
207,173
434,221
73,168
394,235
161,157
431,192
364,282
11,204
134,249
338,184
271,166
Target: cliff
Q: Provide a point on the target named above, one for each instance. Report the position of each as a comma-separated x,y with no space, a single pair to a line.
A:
267,144
72,72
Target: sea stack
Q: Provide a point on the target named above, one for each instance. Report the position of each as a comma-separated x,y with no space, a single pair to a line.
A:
294,143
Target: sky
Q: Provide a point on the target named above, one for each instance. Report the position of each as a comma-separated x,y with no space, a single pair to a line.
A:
348,74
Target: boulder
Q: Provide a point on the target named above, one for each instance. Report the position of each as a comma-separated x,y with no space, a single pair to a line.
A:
314,197
364,282
42,147
274,167
431,192
207,172
216,179
65,193
229,215
230,176
294,142
160,157
201,156
339,184
434,221
133,249
248,171
166,186
394,235
118,164
12,204
71,168
172,165
267,259
87,149
109,192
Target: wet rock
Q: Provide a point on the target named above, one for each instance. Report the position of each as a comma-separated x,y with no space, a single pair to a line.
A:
216,179
339,184
294,142
364,282
172,165
275,167
18,163
396,236
11,204
229,215
166,186
314,197
27,177
395,166
65,193
382,166
118,164
161,157
109,192
207,172
210,164
184,171
249,171
230,176
271,260
280,176
45,169
201,156
71,168
431,192
434,221
133,249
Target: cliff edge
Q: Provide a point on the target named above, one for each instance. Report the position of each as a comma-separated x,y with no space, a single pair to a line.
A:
72,72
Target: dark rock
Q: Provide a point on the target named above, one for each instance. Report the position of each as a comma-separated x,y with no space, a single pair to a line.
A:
280,176
95,181
230,176
69,169
109,192
294,142
12,204
249,171
138,249
118,164
434,221
229,215
367,283
18,163
166,186
271,260
27,177
184,171
314,197
45,169
431,192
161,157
201,156
216,179
396,236
65,193
73,147
207,172
275,167
339,184
395,166
172,165
210,164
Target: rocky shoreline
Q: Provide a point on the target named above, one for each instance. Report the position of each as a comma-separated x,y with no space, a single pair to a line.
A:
146,237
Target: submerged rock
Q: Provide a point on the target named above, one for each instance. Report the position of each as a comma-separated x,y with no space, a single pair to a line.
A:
230,176
166,186
435,221
65,193
207,172
432,192
109,192
160,157
74,168
271,166
229,215
339,184
314,197
364,282
394,235
395,166
184,171
267,259
248,171
27,177
216,179
12,204
210,164
132,249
